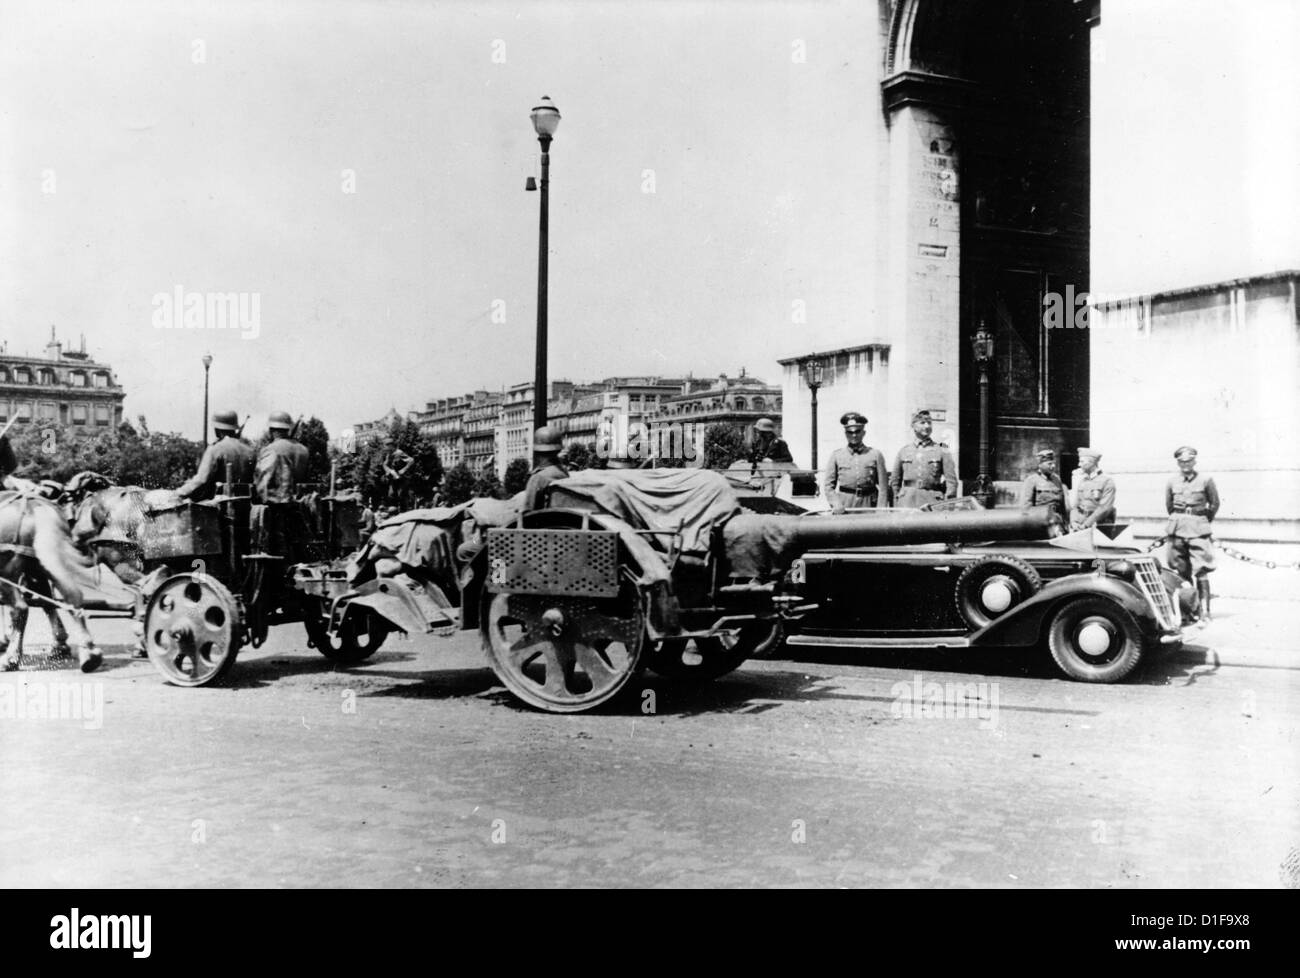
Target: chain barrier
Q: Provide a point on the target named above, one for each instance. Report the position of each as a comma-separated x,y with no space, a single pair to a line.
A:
1236,554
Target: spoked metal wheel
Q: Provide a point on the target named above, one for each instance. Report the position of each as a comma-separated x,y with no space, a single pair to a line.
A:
562,655
191,629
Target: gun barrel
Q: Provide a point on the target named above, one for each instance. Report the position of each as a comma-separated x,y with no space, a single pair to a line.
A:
886,529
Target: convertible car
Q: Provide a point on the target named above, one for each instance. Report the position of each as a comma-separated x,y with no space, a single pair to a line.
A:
1098,604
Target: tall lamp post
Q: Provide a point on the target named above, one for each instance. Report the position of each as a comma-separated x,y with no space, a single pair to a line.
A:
207,364
546,119
812,374
983,347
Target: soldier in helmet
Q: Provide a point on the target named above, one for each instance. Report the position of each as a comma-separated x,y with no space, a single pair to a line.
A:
924,471
855,477
1192,501
767,446
227,459
547,467
1043,487
281,465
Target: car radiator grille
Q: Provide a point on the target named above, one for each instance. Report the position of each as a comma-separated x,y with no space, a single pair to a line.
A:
1148,578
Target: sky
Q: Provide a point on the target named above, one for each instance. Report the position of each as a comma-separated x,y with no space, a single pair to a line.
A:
358,167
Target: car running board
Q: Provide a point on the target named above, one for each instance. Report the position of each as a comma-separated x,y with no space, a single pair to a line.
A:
863,642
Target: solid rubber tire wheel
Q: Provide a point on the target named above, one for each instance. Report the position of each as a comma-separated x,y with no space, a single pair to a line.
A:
717,656
971,581
202,605
1109,666
350,644
589,662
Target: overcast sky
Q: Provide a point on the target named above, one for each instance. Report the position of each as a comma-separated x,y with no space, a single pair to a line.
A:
212,147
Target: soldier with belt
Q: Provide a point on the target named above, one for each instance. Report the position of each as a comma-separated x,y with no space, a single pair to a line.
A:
1191,500
1093,492
1044,488
227,459
855,476
281,465
924,471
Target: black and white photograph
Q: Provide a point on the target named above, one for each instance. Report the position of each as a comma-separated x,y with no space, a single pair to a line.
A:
650,444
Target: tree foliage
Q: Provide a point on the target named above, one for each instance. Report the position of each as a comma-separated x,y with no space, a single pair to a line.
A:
579,456
489,485
363,469
154,460
517,473
457,485
723,444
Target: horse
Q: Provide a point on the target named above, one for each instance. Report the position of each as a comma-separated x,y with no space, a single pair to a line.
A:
37,552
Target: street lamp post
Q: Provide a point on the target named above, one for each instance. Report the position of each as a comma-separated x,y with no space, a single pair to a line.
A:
983,347
546,119
207,364
812,374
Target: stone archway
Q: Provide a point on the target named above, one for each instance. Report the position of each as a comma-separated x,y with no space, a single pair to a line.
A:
987,108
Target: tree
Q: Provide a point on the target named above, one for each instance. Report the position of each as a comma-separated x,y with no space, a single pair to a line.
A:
458,485
154,460
316,439
579,456
517,473
489,485
723,444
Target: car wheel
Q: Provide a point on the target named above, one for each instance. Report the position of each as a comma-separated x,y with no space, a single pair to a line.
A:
992,586
1095,640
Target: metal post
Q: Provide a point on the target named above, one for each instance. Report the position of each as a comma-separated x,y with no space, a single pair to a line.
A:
539,376
814,427
983,486
207,366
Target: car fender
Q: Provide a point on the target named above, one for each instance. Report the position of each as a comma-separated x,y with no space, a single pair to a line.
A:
1024,624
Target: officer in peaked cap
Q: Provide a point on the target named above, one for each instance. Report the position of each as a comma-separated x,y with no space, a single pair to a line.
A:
281,465
855,476
924,471
1092,492
1043,487
1192,501
227,459
547,467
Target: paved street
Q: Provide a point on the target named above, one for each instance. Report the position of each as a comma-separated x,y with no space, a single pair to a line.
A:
417,770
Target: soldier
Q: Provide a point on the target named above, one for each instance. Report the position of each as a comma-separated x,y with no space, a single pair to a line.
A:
924,471
281,465
227,459
366,523
1043,488
9,465
547,467
855,475
768,447
1092,492
1191,500
397,472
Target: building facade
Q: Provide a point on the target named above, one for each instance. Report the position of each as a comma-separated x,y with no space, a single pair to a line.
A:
977,177
479,430
66,387
734,401
1216,367
444,420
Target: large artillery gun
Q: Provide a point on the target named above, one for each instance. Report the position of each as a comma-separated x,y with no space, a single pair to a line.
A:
665,569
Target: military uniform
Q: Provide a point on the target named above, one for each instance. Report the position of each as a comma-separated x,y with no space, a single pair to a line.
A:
855,476
543,475
281,466
1093,498
228,459
924,472
1043,490
8,461
774,451
1191,502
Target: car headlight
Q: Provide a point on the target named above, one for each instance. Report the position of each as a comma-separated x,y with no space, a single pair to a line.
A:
1122,569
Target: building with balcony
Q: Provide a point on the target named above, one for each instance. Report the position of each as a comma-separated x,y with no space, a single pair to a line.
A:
66,387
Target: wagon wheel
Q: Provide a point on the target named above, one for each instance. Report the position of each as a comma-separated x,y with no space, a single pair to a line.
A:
711,657
191,629
562,655
357,639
